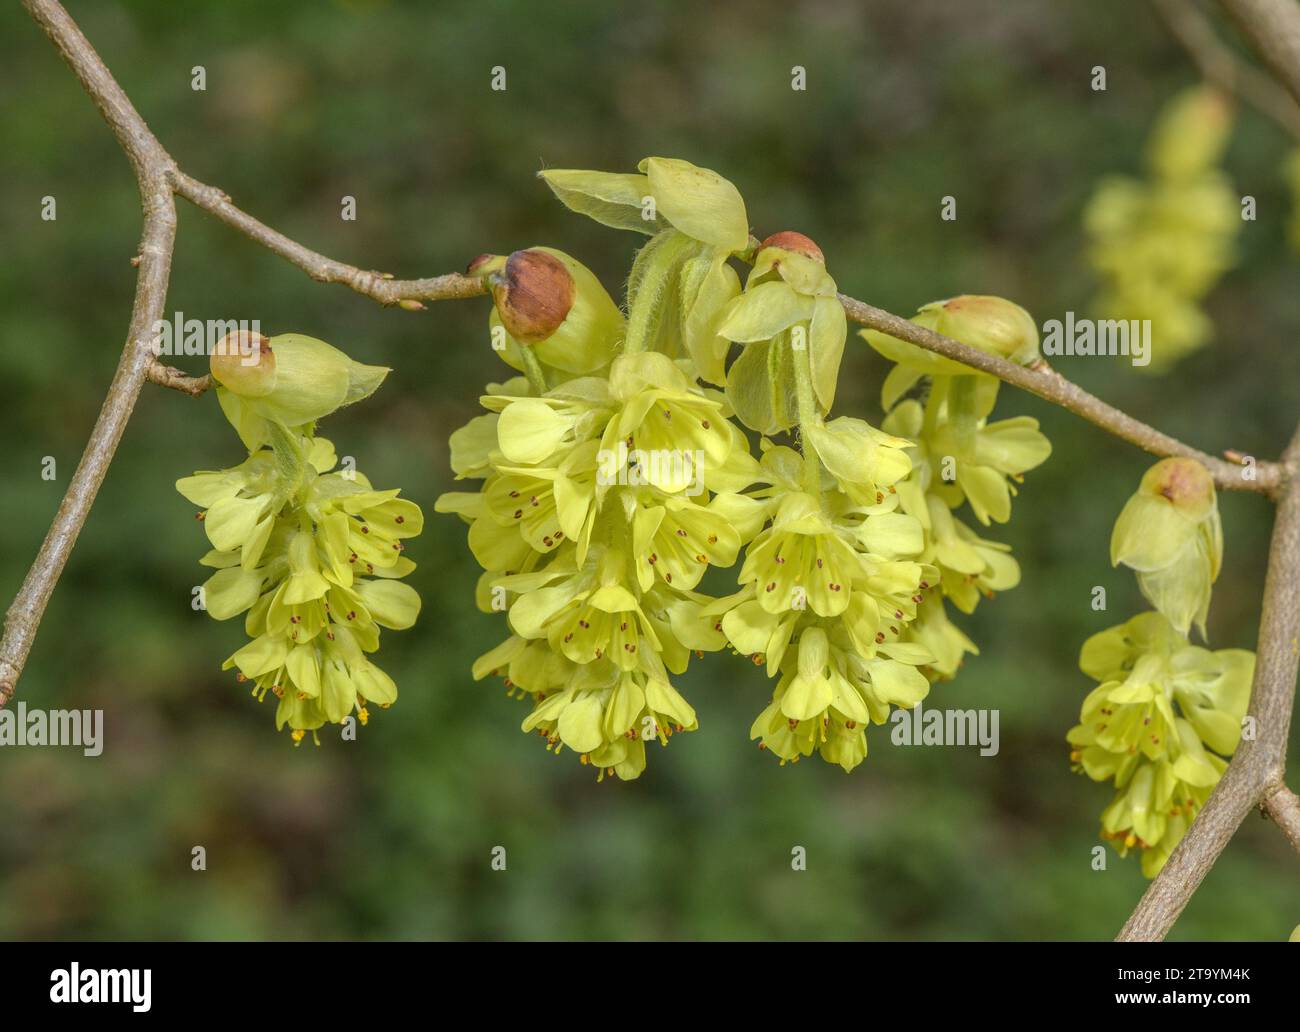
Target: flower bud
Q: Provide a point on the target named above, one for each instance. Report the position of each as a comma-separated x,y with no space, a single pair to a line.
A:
992,324
797,260
1184,483
244,362
789,240
294,380
554,304
533,294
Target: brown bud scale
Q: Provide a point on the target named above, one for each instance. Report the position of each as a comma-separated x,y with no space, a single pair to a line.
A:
533,296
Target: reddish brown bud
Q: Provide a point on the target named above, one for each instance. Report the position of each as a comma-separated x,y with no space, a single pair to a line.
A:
533,295
244,363
789,240
1183,482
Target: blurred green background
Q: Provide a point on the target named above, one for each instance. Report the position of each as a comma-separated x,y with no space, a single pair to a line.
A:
390,836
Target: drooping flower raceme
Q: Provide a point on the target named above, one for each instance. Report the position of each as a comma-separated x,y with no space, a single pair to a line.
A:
609,486
312,556
619,469
1166,714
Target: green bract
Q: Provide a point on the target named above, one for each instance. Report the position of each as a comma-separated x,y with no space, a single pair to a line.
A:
789,305
992,324
669,192
680,282
1170,534
291,381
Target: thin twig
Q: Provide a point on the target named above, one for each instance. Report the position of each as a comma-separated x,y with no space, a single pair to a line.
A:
377,285
1051,386
1188,24
168,376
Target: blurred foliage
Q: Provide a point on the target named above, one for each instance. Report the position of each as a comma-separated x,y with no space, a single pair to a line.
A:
390,836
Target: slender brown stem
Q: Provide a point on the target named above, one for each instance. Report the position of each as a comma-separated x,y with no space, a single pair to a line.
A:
1254,778
158,179
168,376
376,285
151,164
1050,385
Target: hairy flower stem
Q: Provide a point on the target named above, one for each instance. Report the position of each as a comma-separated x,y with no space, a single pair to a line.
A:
933,403
533,369
809,415
291,461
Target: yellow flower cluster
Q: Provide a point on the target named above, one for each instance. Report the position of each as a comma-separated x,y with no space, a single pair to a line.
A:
311,556
618,469
1166,713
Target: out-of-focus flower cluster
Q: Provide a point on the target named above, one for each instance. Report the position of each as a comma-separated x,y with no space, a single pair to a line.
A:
1160,244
